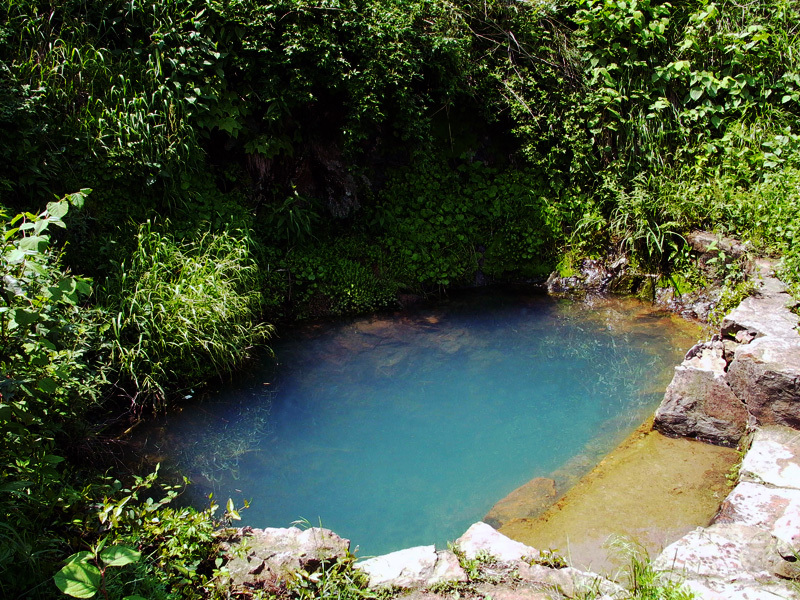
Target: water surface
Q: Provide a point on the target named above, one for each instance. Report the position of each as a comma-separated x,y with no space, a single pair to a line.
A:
402,430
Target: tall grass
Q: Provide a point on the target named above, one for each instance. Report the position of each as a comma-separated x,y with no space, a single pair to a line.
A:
183,311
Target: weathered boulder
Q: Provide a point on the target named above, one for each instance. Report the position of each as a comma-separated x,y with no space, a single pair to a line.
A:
594,276
765,314
773,458
527,501
699,403
708,245
765,374
418,567
726,552
481,537
256,556
776,510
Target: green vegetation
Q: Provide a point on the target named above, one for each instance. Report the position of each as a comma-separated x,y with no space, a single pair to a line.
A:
644,582
252,162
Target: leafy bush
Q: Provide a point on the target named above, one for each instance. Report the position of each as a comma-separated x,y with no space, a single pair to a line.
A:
51,374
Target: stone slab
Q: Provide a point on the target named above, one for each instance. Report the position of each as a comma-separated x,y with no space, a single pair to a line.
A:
740,590
764,314
569,581
724,551
776,510
773,458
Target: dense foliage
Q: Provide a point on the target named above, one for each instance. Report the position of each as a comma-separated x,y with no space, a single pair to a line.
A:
251,162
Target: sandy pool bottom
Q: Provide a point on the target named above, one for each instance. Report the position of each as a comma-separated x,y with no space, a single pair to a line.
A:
652,490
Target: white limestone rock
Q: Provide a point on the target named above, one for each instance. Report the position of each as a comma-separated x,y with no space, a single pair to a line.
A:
724,553
568,582
483,537
740,590
417,567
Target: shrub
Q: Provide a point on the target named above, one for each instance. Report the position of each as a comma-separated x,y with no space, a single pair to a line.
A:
49,379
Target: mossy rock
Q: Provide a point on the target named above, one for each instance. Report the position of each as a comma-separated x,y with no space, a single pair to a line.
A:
625,284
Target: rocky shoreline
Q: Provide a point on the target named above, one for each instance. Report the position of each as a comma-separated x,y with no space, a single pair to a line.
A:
741,386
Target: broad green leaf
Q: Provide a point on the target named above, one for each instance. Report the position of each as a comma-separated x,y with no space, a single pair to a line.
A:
78,579
15,257
77,199
82,556
23,317
232,512
119,556
84,286
57,210
47,385
695,93
34,243
134,597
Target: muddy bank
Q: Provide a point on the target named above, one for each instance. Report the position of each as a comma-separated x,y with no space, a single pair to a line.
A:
652,489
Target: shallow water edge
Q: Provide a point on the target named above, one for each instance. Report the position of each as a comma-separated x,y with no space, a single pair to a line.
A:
651,489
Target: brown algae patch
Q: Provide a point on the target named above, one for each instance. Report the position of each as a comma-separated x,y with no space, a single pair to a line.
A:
652,489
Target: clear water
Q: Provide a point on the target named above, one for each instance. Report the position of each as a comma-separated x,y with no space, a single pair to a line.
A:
403,430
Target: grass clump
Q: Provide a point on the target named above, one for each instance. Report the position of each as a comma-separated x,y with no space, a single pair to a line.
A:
183,311
643,581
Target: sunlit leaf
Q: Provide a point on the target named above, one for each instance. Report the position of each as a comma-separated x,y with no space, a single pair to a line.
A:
119,556
78,579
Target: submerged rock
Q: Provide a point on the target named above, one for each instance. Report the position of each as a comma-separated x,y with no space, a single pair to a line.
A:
527,501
